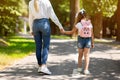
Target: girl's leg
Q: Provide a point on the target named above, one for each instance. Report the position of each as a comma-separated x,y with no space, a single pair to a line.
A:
80,51
86,57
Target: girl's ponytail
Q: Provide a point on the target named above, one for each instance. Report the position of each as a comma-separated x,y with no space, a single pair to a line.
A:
36,6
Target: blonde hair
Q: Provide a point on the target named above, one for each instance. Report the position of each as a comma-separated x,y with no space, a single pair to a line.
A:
36,6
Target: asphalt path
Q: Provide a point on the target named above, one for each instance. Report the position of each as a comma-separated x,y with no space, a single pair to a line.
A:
62,61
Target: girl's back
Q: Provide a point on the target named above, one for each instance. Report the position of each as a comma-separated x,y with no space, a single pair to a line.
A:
85,31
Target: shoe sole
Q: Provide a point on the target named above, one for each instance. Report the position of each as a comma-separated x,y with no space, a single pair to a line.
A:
87,73
40,72
45,73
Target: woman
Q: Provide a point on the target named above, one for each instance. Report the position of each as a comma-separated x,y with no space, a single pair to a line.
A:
39,13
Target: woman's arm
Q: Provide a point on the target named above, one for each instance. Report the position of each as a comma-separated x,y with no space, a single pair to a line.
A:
30,18
30,22
53,16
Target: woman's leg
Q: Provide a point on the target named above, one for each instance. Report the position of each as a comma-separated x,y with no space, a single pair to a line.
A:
86,57
46,43
38,42
42,32
46,32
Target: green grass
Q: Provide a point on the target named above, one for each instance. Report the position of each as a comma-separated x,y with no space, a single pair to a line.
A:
109,42
17,48
60,37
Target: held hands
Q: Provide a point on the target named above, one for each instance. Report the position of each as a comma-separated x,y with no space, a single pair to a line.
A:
31,33
66,32
62,31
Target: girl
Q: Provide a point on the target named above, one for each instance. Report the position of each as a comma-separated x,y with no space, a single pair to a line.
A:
85,39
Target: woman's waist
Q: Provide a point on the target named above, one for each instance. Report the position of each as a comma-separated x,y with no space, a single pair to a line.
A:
40,19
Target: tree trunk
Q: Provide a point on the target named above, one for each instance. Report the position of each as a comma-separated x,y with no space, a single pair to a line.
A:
104,27
74,8
118,21
97,23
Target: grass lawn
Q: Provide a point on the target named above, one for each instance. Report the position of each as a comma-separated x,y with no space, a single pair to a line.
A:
109,42
16,48
60,37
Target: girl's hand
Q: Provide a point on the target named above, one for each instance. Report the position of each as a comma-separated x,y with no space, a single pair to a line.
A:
92,45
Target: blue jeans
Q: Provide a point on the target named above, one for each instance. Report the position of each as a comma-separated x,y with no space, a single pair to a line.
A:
84,42
42,32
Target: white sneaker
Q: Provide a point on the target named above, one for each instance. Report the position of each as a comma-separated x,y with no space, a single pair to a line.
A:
79,70
39,69
86,72
45,70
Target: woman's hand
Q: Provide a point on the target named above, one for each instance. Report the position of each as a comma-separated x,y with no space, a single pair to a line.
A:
62,31
31,33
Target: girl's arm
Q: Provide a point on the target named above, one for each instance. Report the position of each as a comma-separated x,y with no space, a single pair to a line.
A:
92,41
71,32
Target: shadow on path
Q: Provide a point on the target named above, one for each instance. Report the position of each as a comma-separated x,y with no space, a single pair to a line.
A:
61,62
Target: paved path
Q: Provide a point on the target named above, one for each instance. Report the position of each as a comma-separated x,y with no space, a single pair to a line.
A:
104,64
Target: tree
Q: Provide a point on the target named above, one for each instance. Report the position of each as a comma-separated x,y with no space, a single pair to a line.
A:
61,8
97,23
118,21
99,9
10,10
74,8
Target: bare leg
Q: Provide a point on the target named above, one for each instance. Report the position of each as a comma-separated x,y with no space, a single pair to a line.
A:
80,51
86,56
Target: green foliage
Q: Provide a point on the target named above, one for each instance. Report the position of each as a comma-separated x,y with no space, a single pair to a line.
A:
18,47
107,7
9,12
60,37
64,9
61,8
